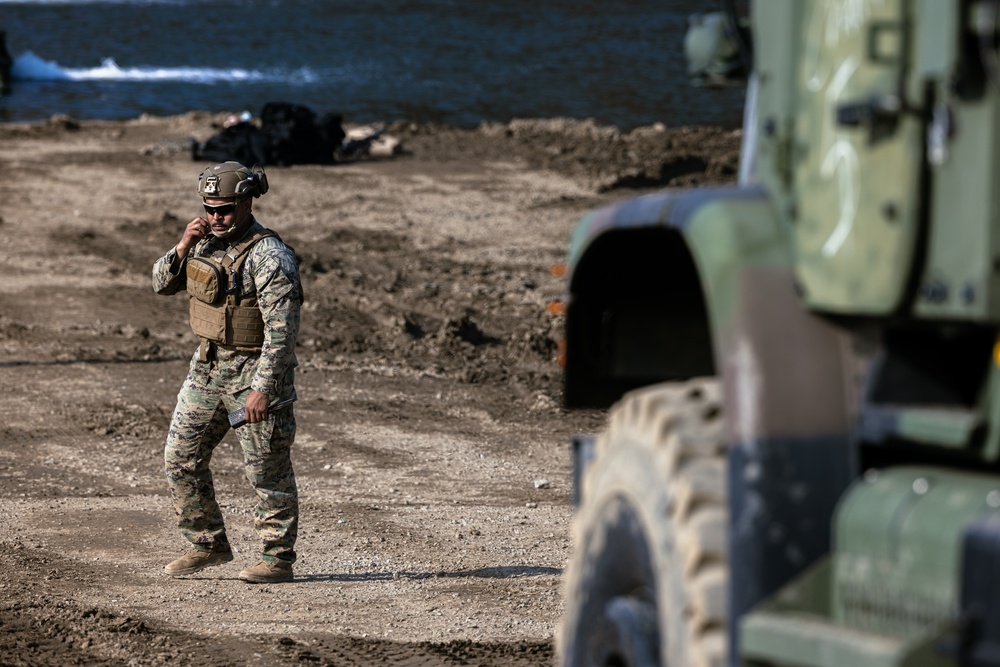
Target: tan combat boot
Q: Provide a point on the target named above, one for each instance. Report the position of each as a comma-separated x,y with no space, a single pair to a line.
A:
268,572
195,560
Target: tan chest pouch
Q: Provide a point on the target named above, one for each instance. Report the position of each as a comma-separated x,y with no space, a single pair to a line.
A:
206,279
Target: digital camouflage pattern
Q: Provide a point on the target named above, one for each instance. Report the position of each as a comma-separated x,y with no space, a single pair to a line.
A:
198,424
217,387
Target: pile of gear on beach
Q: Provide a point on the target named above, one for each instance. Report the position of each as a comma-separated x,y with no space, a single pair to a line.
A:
286,134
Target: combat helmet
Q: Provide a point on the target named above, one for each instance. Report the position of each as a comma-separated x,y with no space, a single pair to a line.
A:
232,180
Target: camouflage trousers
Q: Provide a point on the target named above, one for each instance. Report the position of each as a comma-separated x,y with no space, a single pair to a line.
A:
199,423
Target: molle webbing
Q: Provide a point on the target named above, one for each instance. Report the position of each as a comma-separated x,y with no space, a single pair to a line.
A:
234,322
206,280
208,322
245,326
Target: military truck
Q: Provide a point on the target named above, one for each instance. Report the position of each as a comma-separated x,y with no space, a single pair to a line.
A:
802,461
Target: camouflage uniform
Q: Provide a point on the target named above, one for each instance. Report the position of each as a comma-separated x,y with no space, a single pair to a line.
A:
218,382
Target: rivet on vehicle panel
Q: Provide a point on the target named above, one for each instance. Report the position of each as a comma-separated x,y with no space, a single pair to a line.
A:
935,292
969,294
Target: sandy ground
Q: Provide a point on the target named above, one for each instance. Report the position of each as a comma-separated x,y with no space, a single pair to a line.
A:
433,456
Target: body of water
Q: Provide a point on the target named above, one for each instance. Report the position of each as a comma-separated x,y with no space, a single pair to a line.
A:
457,62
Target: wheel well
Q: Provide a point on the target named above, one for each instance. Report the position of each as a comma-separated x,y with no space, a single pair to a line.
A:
636,316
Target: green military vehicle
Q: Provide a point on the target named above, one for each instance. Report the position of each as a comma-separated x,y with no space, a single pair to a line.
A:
802,462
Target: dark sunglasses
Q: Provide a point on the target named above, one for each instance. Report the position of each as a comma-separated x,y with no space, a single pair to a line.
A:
221,209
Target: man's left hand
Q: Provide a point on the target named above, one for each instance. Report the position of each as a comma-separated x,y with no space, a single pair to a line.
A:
256,406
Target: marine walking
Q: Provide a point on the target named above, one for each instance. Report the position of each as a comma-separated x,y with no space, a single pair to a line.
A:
245,304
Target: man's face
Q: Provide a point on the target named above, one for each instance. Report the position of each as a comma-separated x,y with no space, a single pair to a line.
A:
225,215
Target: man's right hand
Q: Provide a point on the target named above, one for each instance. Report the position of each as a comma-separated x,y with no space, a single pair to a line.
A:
195,231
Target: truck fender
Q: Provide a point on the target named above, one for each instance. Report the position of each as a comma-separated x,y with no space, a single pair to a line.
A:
677,285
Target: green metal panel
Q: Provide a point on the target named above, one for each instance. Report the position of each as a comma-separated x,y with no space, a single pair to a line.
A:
774,64
800,640
862,518
918,167
944,427
728,237
858,184
991,446
890,589
897,545
796,628
960,280
935,43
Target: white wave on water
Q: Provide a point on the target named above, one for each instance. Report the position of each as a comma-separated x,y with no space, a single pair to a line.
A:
29,67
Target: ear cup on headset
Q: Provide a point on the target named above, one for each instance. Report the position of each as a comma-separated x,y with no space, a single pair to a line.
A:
260,178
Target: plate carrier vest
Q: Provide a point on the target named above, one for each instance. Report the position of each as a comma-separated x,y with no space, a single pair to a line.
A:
218,314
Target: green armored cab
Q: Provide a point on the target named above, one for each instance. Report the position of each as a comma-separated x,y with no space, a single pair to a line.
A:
802,462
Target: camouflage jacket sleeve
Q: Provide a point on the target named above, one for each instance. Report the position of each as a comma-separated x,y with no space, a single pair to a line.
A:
168,277
275,275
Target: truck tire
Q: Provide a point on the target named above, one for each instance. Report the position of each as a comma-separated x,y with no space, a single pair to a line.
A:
647,581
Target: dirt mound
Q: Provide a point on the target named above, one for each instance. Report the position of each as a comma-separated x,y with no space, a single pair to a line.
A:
602,157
